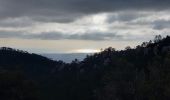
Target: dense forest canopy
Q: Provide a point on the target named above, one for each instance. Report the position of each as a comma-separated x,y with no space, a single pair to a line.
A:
140,73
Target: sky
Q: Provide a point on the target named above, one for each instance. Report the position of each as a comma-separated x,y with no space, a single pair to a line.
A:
77,26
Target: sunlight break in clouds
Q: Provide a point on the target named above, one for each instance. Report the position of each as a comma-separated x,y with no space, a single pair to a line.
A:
86,51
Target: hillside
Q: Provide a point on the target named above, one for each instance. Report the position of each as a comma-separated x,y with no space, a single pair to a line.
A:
141,73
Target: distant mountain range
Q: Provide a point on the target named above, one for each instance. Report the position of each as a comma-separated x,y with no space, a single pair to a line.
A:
67,57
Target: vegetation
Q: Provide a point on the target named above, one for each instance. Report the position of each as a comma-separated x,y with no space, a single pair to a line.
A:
141,73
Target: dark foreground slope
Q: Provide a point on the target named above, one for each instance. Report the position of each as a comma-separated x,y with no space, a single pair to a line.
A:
142,73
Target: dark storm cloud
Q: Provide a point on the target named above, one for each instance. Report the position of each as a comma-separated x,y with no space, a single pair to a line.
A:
68,10
18,17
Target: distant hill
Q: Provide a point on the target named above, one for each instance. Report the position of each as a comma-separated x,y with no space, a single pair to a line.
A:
68,57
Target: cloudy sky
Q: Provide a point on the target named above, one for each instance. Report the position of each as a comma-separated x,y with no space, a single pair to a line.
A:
64,26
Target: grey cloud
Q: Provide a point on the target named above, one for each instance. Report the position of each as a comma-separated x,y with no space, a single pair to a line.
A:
127,16
154,22
95,36
87,36
16,22
161,24
61,36
69,10
23,13
46,36
5,34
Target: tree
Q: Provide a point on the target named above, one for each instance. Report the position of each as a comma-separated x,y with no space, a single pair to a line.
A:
157,38
13,86
128,48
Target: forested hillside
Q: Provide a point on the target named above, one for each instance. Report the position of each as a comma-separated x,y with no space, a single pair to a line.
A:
140,73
